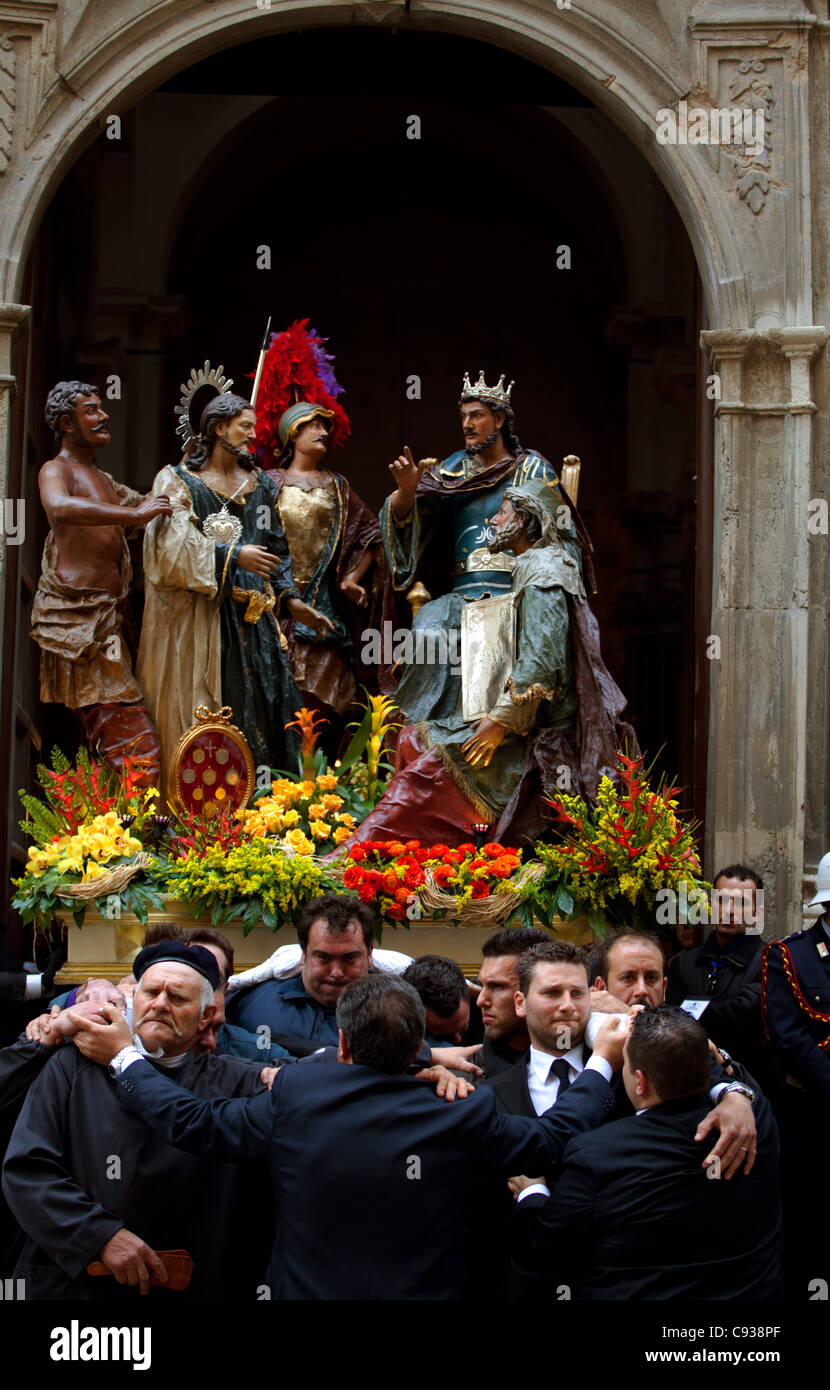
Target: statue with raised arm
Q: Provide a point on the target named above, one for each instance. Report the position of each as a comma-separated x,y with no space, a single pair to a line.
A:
436,527
536,707
80,615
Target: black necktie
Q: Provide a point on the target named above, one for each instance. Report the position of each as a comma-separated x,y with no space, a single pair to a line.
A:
561,1069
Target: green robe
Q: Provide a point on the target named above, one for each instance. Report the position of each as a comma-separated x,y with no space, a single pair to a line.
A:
449,522
540,689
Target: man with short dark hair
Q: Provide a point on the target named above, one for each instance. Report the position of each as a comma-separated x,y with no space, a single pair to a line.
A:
506,1039
369,1169
724,974
445,994
633,1214
337,935
554,1000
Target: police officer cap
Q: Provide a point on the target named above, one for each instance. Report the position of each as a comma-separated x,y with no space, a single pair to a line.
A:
197,957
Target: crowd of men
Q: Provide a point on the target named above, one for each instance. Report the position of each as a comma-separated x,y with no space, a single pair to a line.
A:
567,1125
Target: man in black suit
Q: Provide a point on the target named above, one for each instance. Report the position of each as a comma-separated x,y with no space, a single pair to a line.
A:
506,1039
795,975
370,1170
724,974
555,1003
633,1214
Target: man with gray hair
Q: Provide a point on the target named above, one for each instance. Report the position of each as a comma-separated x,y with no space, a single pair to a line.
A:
80,608
90,1184
371,1172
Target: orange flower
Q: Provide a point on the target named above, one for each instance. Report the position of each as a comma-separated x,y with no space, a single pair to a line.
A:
396,913
492,850
480,889
443,874
402,896
390,881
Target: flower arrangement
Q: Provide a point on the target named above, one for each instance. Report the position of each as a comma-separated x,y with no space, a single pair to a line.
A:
251,882
391,875
614,858
306,814
81,834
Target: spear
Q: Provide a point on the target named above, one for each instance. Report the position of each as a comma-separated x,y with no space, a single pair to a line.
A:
261,361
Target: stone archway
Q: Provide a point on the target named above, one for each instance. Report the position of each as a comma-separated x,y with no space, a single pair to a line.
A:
68,64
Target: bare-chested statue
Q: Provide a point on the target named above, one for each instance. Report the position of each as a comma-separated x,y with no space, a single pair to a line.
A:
80,607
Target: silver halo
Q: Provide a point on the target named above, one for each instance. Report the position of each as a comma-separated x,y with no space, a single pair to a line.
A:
199,377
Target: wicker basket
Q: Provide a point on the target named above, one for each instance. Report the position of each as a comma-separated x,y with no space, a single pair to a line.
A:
112,882
479,912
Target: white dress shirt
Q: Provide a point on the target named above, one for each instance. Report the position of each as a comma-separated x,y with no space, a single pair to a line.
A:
544,1089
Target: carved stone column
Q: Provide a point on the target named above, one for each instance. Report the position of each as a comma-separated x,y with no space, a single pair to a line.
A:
759,686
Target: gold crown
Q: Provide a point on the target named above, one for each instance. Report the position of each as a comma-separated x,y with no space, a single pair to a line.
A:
495,395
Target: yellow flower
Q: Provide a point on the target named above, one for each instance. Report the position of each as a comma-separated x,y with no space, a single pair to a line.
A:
320,830
290,817
306,789
93,870
317,809
70,863
331,803
341,834
299,842
327,781
345,818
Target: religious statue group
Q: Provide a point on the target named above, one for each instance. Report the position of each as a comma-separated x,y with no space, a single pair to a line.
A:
264,571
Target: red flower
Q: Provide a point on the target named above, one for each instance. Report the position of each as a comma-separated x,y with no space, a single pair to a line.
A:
481,889
353,877
453,856
437,851
367,892
413,877
480,864
467,848
443,874
402,896
492,850
389,881
396,913
357,852
412,846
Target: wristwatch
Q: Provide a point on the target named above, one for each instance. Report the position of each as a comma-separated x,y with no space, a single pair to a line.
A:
740,1089
115,1065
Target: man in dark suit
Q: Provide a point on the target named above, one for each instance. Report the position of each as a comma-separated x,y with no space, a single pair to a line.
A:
370,1170
724,974
795,998
633,1214
555,1004
506,1039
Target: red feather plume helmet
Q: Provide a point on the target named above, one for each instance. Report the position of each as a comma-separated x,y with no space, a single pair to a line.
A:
296,369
